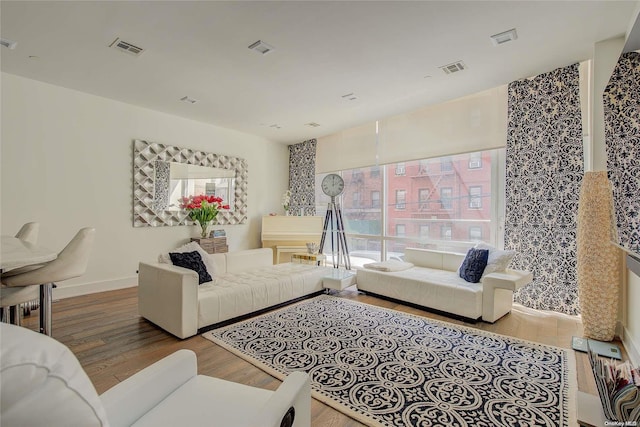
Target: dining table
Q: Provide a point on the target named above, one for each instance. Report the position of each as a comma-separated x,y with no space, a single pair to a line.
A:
16,253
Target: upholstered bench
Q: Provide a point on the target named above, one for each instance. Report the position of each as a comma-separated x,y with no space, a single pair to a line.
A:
433,282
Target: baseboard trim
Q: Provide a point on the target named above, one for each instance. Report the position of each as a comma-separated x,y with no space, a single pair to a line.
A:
632,348
62,291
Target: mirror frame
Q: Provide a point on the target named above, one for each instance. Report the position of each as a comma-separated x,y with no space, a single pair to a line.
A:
145,154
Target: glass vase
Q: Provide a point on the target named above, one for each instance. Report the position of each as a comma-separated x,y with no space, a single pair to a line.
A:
204,229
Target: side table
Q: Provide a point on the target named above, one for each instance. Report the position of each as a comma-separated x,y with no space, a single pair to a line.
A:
339,280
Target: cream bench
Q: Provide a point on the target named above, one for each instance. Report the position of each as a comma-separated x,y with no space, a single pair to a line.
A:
434,283
245,282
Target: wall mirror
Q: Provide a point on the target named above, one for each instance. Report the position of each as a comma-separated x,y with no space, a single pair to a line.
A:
164,173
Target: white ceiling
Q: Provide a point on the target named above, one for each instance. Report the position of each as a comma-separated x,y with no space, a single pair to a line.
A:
381,51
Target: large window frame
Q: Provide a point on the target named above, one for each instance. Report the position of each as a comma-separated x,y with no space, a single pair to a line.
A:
386,243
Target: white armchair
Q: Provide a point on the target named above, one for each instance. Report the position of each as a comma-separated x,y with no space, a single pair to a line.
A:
43,383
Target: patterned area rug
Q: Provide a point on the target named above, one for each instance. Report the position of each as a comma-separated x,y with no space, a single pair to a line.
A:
386,368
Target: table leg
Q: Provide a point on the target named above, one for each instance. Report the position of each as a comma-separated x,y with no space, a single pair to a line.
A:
46,295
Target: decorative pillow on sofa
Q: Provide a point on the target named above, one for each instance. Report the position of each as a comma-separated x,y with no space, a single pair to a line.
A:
390,265
192,261
474,264
499,260
190,247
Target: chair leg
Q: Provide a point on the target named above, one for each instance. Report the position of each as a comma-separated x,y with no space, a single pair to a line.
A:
15,315
46,295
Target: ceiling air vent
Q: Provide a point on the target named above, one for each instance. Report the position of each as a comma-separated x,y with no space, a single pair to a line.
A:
453,67
261,47
504,37
126,47
312,124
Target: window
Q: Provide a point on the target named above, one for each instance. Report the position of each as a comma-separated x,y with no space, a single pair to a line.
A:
356,199
357,174
475,233
436,208
423,198
446,164
401,199
375,199
445,232
446,198
475,160
475,197
423,167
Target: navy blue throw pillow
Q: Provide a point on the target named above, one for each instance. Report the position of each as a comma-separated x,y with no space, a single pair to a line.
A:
192,261
474,264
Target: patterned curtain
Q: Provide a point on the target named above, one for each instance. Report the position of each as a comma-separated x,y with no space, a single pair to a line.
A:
302,177
622,138
544,159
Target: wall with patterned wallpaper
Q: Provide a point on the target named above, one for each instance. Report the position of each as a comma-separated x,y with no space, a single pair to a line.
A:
544,168
302,177
622,138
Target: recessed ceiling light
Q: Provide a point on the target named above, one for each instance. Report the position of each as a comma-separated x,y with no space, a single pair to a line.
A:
275,126
261,47
504,37
188,100
8,43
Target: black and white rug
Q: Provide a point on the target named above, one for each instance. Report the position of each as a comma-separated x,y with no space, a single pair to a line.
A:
387,368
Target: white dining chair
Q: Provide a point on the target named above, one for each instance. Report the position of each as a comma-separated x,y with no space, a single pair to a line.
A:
12,300
29,232
71,262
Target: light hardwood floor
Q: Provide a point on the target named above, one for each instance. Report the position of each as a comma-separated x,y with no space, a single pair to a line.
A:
113,342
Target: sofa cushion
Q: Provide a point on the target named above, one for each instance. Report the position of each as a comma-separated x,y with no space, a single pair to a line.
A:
190,247
389,265
498,260
474,264
192,261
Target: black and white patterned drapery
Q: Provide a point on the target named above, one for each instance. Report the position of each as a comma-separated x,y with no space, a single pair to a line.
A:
544,161
302,177
622,136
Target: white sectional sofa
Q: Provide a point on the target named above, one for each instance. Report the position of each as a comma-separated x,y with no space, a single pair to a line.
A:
244,282
433,282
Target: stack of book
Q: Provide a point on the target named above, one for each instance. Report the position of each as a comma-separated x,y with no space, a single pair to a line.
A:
215,244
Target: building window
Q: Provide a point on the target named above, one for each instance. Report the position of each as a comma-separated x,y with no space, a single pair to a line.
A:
446,201
475,160
424,231
374,172
423,199
400,169
401,230
475,233
445,232
446,164
357,175
356,199
401,199
375,199
475,197
423,167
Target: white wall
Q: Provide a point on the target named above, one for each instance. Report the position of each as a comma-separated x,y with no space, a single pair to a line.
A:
66,160
631,337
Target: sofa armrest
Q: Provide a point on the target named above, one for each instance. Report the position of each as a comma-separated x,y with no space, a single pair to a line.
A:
295,391
508,279
129,400
168,297
497,292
